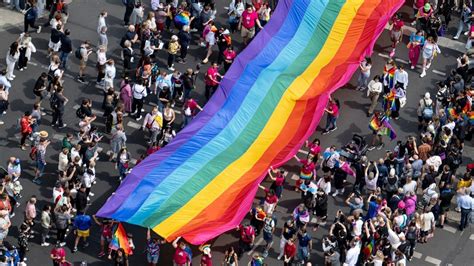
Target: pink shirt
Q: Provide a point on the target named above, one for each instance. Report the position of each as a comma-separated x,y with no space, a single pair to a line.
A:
410,204
30,211
211,72
248,19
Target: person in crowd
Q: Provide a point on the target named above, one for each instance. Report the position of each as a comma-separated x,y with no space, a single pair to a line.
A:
12,57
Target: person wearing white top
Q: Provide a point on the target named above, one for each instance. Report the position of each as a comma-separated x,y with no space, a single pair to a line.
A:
427,225
101,60
401,76
373,92
371,178
109,74
63,160
152,123
139,92
352,255
101,23
11,59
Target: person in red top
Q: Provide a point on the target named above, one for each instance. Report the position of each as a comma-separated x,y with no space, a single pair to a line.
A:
278,180
396,31
211,79
190,108
206,259
247,238
180,257
229,56
271,200
333,113
307,170
58,255
247,23
257,4
25,127
314,149
289,252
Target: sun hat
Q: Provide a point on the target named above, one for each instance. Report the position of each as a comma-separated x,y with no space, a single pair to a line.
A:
43,134
205,248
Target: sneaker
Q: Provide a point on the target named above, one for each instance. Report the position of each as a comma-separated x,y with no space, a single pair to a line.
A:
412,67
21,69
74,250
17,204
455,37
91,194
12,215
371,148
193,30
428,66
466,33
45,244
325,132
101,254
37,181
265,254
63,126
138,118
333,129
171,68
380,146
279,257
1,122
38,30
81,80
423,74
335,193
62,244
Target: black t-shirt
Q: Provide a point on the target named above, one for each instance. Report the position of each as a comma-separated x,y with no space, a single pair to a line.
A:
164,94
39,85
87,111
446,196
188,82
56,35
288,232
66,44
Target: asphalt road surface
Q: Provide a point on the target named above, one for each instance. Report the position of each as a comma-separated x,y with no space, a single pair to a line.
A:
449,246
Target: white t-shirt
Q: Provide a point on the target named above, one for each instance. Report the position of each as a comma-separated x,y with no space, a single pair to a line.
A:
357,228
427,221
409,187
352,255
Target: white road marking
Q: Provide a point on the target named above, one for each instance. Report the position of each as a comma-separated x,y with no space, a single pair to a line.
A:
255,246
439,72
449,229
417,255
58,136
384,55
75,107
433,260
303,152
47,67
134,125
281,209
295,177
314,220
471,237
401,60
133,161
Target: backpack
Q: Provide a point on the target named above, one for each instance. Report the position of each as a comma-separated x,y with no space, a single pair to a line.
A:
427,112
391,187
54,101
33,153
411,234
78,53
79,113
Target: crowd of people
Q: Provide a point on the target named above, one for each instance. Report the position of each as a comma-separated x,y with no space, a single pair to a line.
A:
394,203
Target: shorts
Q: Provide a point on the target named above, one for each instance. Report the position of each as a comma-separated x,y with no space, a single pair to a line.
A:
152,258
104,238
81,233
424,233
54,46
247,33
443,210
395,35
268,237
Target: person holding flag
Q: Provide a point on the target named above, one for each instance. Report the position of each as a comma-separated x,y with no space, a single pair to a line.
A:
380,126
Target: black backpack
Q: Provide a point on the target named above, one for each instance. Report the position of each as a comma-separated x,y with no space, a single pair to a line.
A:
54,101
78,53
79,113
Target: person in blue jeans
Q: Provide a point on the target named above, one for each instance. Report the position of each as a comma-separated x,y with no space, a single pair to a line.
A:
332,111
464,21
305,245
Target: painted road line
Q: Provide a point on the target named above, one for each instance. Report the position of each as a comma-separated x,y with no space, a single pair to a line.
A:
449,229
401,60
260,241
75,107
281,209
471,237
417,255
433,260
303,152
295,177
384,55
47,68
439,72
442,41
314,220
58,137
133,161
134,125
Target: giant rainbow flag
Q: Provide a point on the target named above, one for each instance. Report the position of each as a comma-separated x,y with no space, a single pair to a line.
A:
202,184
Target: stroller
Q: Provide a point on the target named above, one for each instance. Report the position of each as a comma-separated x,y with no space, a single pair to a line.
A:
355,149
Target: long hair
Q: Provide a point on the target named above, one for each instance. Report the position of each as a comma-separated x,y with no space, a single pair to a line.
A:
13,48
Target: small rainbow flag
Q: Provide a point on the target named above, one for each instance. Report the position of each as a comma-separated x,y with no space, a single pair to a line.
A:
120,240
375,123
452,113
182,18
388,129
470,117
